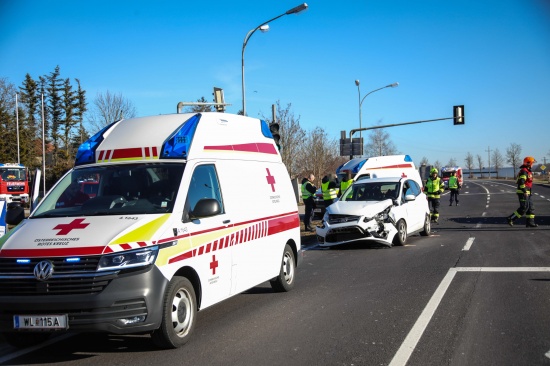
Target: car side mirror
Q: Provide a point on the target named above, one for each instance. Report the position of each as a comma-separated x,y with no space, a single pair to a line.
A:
410,197
206,207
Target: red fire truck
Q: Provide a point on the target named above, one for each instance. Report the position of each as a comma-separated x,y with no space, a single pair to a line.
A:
14,183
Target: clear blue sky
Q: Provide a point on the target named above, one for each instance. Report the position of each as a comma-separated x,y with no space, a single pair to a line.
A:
491,56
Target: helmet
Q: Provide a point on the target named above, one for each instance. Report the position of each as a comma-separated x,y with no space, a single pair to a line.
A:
433,170
529,160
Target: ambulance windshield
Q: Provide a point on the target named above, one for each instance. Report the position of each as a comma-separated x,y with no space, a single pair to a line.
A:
125,189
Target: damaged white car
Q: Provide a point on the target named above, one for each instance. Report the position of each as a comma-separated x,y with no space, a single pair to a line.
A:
381,210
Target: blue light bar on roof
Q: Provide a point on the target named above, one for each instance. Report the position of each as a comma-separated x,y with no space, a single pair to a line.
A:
408,159
359,166
178,144
265,129
86,151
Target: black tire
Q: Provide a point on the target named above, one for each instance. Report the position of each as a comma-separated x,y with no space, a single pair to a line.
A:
179,314
285,280
23,340
427,226
401,237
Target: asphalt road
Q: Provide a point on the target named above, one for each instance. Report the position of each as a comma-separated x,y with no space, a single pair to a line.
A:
475,292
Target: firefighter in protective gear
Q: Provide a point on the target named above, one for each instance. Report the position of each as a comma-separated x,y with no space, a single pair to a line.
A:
454,188
433,188
524,189
308,190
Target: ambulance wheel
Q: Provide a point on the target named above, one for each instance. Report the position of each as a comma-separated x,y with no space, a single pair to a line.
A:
178,316
401,237
23,340
285,280
427,226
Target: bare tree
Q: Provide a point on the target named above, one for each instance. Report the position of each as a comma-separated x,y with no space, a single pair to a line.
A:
480,165
452,162
424,161
513,156
469,160
379,144
497,160
108,108
319,154
437,165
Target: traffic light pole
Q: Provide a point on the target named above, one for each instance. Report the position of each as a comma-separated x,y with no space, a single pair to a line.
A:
351,132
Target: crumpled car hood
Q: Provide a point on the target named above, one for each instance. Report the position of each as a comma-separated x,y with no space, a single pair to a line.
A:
360,208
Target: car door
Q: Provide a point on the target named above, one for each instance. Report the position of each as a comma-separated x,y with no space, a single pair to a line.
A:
415,209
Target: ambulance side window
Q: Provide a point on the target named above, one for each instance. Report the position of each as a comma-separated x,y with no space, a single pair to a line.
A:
204,184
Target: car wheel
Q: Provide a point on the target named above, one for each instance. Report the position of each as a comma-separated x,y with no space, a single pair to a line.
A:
401,236
285,280
178,315
427,226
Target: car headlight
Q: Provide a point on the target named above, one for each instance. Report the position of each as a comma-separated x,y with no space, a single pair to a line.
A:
128,259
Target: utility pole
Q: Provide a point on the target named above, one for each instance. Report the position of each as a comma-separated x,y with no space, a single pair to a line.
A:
489,161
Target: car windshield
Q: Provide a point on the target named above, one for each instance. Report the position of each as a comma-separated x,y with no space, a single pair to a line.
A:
371,191
127,189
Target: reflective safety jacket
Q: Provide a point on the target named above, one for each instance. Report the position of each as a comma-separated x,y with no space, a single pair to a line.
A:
305,192
434,187
329,189
525,180
345,185
453,183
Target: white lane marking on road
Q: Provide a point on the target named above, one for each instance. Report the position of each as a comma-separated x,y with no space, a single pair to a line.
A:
409,344
469,243
547,354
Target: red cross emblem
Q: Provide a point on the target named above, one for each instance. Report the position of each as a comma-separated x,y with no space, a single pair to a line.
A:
403,175
64,229
213,264
270,180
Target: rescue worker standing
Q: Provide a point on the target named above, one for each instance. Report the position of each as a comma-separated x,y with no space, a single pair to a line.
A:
345,183
454,188
525,185
308,192
433,189
329,189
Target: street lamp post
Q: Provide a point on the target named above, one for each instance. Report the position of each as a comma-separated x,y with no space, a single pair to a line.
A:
361,100
264,28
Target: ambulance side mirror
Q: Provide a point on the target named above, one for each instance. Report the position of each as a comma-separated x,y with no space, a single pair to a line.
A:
14,213
206,207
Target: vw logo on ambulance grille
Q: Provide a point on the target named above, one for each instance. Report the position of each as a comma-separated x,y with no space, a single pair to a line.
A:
43,270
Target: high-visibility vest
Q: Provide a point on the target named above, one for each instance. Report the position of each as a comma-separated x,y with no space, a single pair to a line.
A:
330,194
345,185
434,187
305,193
453,183
324,189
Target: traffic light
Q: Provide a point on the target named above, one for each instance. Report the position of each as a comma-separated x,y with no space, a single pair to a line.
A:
219,99
274,129
458,113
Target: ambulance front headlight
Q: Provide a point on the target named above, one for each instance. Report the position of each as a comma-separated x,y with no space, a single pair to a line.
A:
128,259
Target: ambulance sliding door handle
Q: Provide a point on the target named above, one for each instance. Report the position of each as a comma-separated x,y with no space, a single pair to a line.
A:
226,221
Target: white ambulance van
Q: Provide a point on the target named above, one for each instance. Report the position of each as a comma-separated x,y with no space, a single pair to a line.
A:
189,210
380,166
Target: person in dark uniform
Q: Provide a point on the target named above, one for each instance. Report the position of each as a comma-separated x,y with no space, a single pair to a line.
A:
308,192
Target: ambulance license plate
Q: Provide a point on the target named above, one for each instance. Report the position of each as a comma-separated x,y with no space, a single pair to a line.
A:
40,322
316,210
